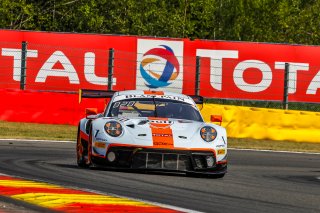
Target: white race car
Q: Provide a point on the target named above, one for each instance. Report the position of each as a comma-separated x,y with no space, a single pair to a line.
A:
151,130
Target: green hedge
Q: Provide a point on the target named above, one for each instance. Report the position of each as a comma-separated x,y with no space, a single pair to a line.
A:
284,21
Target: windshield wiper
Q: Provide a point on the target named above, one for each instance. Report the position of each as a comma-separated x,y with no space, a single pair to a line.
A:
155,107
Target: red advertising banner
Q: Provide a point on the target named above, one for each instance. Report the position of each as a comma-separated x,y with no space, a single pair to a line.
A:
229,70
243,70
65,61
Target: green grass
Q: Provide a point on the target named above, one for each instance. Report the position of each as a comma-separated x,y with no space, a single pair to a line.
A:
37,131
66,132
273,145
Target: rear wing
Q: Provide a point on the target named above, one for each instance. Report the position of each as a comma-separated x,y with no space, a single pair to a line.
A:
88,93
197,99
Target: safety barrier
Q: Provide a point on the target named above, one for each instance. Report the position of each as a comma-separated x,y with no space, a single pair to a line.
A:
241,122
262,123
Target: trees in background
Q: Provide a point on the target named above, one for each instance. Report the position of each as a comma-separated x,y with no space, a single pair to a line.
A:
284,21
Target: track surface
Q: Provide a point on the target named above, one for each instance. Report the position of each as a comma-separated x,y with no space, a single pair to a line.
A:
256,181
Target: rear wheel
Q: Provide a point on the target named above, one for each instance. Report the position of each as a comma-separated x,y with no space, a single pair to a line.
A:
80,152
89,162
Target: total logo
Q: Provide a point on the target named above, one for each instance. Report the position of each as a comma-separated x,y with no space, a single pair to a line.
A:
159,65
170,71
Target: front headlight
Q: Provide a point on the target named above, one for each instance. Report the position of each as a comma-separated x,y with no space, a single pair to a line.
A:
208,133
113,128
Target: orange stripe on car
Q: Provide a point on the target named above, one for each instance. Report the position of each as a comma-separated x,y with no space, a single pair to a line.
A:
149,92
162,136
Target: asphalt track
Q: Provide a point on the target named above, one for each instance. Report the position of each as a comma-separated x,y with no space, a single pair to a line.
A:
256,181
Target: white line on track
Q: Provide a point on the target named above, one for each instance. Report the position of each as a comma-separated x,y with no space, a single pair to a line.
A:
32,140
238,149
180,209
262,150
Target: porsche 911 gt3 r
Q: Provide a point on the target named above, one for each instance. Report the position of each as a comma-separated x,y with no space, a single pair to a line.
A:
151,130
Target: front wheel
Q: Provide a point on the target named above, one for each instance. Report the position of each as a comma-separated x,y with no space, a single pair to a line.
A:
80,152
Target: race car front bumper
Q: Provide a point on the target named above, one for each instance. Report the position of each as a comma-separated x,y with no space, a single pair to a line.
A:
162,160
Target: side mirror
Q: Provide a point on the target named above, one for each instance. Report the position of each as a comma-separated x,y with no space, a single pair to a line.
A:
90,112
216,118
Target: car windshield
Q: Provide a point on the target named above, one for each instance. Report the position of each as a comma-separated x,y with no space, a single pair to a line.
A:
163,108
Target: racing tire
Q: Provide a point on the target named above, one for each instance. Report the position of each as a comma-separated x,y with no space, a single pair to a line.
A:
89,162
81,162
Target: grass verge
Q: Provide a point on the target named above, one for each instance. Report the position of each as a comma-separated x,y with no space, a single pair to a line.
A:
37,131
274,145
67,132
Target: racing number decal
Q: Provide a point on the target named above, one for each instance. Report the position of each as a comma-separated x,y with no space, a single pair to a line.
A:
161,133
124,104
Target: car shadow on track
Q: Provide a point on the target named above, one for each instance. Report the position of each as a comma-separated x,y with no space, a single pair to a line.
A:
164,173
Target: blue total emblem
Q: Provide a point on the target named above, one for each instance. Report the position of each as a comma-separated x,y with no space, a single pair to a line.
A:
153,79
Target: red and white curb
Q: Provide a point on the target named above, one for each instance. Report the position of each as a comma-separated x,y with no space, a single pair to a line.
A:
66,199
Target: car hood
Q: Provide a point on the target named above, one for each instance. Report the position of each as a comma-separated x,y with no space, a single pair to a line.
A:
180,128
158,133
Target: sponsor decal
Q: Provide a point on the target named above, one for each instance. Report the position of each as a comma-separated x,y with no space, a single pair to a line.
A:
161,122
162,144
160,65
168,97
176,98
101,139
161,135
